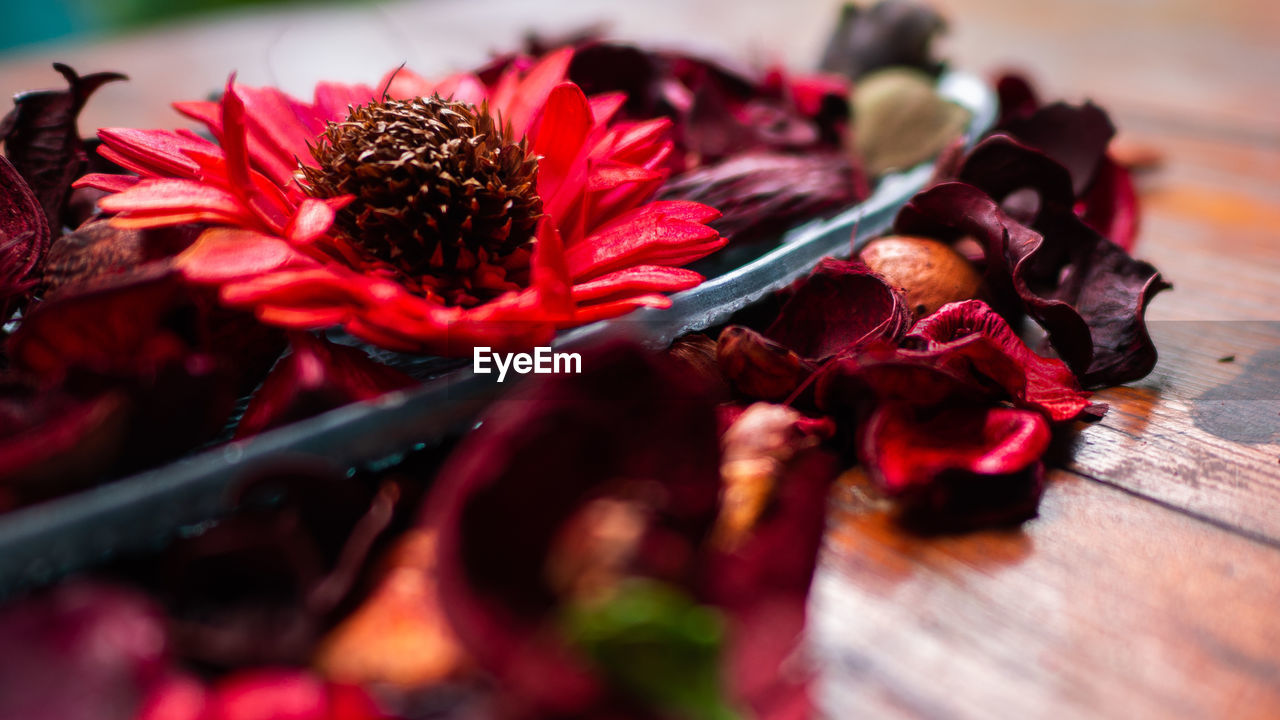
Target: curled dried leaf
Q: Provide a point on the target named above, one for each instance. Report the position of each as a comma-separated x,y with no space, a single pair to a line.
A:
399,636
41,138
891,32
755,453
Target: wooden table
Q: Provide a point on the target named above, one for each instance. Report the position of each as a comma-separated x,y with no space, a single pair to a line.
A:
1150,584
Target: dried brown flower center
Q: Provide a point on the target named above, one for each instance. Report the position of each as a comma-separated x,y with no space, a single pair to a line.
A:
441,195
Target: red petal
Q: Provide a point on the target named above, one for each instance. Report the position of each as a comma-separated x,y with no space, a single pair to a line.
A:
317,376
974,335
314,218
634,281
224,254
961,465
153,152
527,98
566,122
659,233
153,196
840,307
334,100
550,271
109,183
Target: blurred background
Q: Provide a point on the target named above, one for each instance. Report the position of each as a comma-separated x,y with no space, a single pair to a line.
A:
1142,58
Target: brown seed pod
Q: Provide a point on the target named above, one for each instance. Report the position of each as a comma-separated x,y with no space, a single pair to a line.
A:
439,187
929,272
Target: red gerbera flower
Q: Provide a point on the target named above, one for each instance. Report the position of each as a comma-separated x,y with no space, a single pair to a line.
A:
436,218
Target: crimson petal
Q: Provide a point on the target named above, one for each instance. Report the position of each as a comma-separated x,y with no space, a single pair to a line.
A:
960,465
841,306
317,376
974,334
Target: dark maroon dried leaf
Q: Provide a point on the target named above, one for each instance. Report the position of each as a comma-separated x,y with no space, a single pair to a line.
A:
98,254
758,367
761,569
24,239
41,138
1018,98
971,337
81,651
961,466
147,338
762,193
1087,293
853,386
1075,137
717,110
262,586
52,442
631,429
841,306
316,377
891,32
698,353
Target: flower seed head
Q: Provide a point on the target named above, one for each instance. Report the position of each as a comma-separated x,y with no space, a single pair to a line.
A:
441,194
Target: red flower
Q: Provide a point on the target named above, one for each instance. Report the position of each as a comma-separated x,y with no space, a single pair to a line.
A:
420,225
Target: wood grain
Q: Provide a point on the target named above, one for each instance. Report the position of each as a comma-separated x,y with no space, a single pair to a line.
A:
1104,606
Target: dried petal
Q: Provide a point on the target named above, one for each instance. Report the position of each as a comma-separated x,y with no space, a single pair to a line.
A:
41,138
891,32
960,466
761,193
106,644
543,457
317,376
399,636
972,334
839,307
24,239
1087,293
758,367
765,548
52,442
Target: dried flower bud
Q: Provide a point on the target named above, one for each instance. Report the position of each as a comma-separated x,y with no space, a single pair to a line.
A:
931,273
900,121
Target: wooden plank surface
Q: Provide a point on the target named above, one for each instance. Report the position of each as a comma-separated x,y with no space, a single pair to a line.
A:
1105,605
1148,586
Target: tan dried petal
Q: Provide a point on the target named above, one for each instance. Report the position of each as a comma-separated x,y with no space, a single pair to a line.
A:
755,453
900,121
400,635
